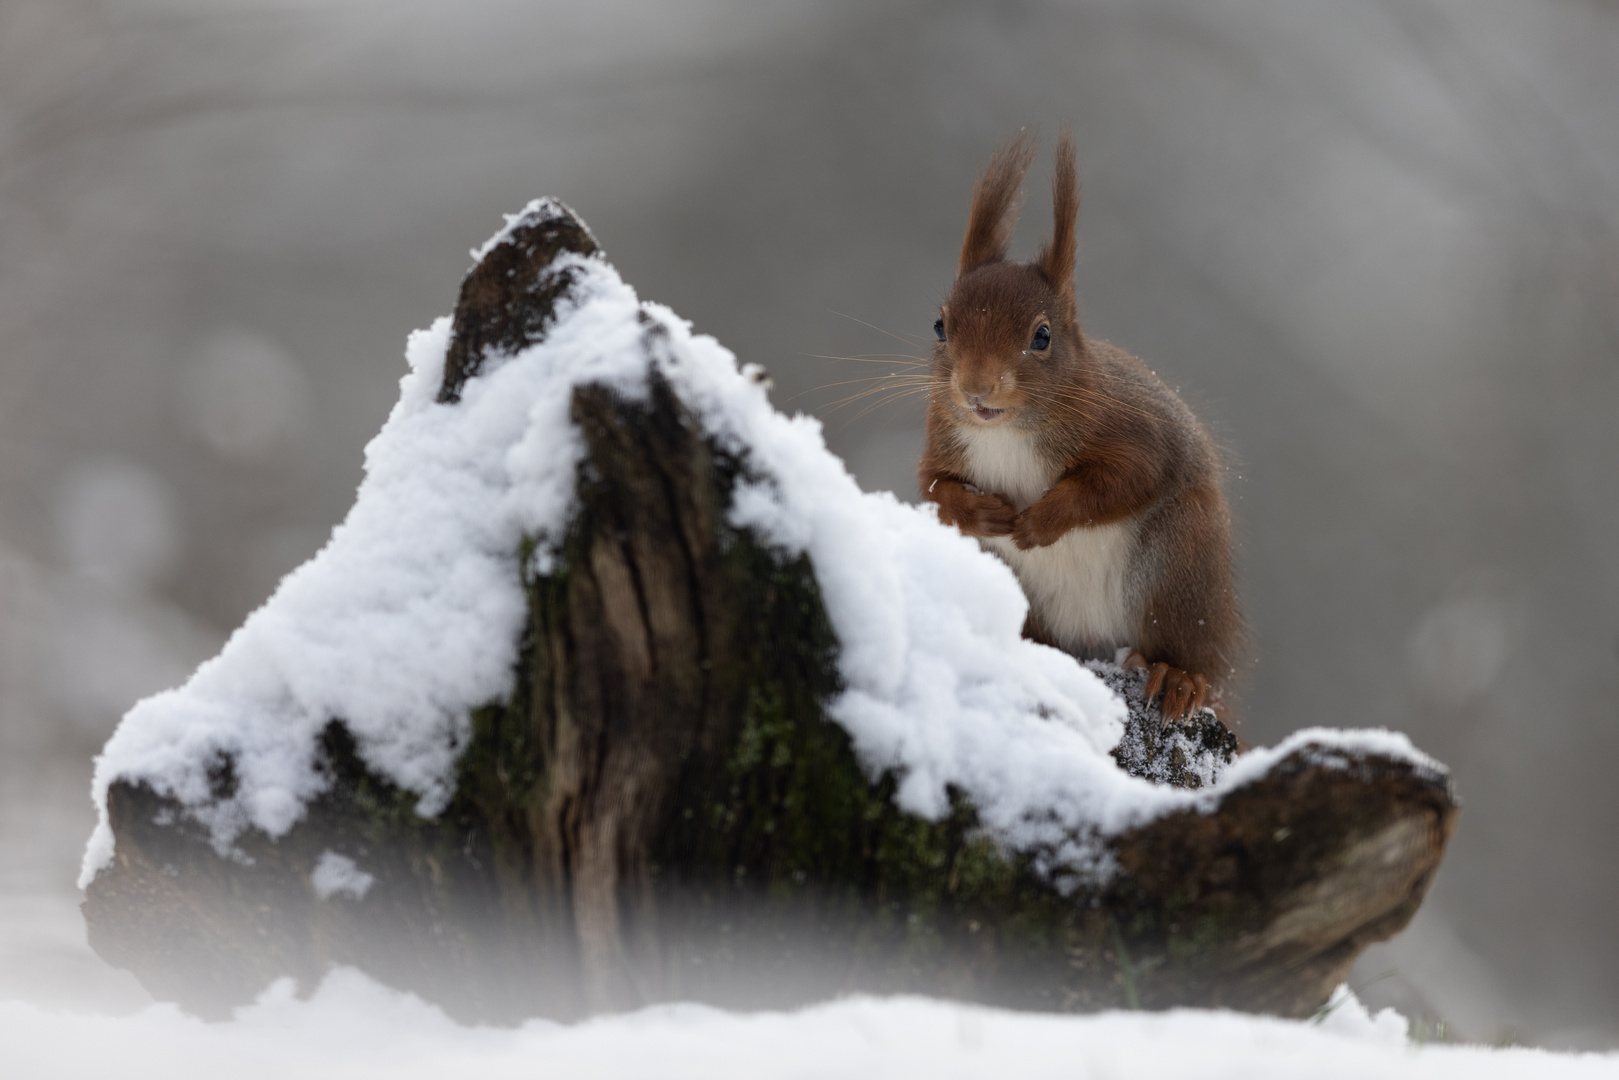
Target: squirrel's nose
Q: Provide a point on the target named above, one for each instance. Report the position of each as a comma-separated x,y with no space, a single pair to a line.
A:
975,387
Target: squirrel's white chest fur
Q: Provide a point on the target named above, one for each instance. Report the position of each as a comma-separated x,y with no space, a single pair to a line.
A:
1076,586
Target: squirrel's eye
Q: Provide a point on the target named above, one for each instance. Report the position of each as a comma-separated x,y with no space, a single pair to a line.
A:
938,329
1042,338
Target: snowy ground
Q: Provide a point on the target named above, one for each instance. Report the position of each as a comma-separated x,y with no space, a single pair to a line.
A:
353,1027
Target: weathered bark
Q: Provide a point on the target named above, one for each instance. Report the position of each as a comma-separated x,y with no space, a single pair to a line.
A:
663,811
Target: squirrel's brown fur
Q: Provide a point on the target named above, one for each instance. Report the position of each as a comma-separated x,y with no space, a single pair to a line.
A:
1073,461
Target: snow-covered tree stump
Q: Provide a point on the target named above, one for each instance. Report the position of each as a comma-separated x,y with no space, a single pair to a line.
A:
672,757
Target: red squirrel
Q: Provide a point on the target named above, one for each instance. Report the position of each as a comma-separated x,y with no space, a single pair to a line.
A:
1073,462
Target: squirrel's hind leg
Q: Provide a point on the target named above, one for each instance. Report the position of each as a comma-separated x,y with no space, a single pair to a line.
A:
1185,692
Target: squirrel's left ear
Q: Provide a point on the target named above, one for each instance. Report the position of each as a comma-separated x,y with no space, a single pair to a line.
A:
1056,260
995,203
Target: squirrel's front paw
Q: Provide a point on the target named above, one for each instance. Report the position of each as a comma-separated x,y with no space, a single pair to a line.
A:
985,515
1036,527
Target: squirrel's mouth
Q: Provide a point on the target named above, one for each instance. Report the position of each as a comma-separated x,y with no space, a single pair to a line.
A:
987,414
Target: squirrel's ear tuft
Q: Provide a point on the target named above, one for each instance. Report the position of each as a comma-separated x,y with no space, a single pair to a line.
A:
995,203
1056,260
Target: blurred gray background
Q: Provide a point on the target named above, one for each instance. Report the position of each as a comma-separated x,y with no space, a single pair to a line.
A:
1373,243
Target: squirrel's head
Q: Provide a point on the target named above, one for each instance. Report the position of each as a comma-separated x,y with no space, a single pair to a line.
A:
1008,335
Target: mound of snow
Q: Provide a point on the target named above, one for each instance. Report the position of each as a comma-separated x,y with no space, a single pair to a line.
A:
410,616
354,1027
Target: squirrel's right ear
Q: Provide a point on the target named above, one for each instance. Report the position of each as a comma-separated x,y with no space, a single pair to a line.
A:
995,203
1056,260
